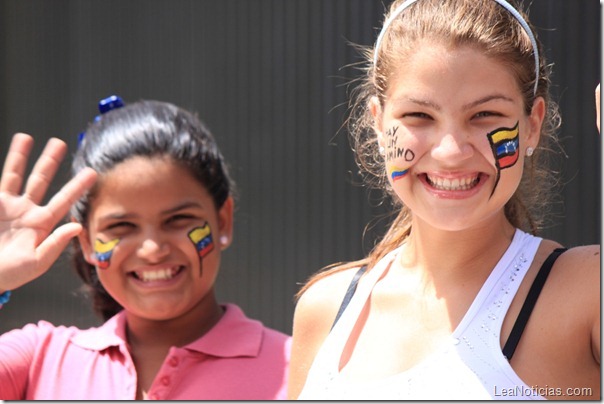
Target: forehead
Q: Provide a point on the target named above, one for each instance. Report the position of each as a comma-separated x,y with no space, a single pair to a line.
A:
437,69
142,183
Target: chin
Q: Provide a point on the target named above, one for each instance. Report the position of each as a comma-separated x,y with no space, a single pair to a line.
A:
163,311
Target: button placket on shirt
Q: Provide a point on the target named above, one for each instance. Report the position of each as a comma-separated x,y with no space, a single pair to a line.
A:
163,385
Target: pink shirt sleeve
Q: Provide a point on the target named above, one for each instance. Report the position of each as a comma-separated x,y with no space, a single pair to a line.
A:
40,361
17,350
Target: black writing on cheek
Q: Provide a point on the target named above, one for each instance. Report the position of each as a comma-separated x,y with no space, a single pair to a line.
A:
391,139
391,132
400,152
395,152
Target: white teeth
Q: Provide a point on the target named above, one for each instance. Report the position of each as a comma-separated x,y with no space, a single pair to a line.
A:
156,275
455,184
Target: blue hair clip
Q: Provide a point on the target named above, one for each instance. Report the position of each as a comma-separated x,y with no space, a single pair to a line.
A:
105,105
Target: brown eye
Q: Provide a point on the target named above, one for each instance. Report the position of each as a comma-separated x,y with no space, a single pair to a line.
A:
176,219
120,225
420,115
486,114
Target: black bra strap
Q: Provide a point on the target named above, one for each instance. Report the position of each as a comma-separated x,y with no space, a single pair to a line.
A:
523,317
351,289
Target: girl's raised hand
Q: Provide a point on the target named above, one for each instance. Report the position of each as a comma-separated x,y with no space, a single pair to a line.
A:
28,244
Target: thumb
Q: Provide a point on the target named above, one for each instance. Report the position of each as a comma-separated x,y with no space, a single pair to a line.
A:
51,248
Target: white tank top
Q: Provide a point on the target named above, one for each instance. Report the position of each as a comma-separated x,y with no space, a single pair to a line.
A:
469,366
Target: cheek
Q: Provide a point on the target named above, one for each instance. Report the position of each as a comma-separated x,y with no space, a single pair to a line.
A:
202,239
103,252
505,146
401,151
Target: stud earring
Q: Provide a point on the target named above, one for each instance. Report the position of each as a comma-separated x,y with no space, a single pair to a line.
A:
382,150
529,151
224,240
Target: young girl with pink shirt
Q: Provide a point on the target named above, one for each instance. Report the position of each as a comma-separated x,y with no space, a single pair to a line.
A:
152,209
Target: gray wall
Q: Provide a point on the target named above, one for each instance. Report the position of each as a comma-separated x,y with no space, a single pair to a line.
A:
268,77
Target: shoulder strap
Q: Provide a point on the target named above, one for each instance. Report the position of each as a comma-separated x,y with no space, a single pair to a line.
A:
348,296
527,308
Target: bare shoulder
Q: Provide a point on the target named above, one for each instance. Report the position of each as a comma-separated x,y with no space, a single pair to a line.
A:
573,297
320,302
579,267
313,317
561,343
575,280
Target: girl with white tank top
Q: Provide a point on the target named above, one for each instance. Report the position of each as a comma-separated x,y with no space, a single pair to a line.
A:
460,299
470,365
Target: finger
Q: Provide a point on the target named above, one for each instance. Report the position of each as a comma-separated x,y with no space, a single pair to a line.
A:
15,163
45,169
51,248
60,203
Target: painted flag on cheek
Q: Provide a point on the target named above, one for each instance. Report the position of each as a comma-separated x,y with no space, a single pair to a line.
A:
103,252
505,145
202,238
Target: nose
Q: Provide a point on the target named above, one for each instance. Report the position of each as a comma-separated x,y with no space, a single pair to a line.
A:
153,248
452,148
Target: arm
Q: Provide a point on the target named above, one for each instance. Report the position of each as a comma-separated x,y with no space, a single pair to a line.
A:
28,244
591,261
314,315
574,307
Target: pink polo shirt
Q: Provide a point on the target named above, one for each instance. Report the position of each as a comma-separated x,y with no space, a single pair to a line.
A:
238,359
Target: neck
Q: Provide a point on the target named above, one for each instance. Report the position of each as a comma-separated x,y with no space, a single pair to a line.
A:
456,255
145,333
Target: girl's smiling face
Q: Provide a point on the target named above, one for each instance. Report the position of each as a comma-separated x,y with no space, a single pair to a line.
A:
434,126
152,205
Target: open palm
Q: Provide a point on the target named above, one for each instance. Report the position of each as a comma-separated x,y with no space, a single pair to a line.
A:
28,244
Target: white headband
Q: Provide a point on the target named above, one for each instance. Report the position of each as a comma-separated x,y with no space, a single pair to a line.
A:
503,3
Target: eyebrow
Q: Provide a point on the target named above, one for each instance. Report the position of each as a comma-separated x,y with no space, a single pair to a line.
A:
182,206
117,216
423,103
473,104
484,100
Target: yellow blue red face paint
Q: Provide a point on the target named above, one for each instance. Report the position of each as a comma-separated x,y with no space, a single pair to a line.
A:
103,251
505,144
398,173
202,239
395,152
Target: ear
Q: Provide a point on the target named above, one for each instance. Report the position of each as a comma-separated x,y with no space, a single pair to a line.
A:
536,122
376,111
85,244
225,222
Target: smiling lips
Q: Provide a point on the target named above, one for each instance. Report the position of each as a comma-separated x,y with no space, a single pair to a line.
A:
160,274
453,184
